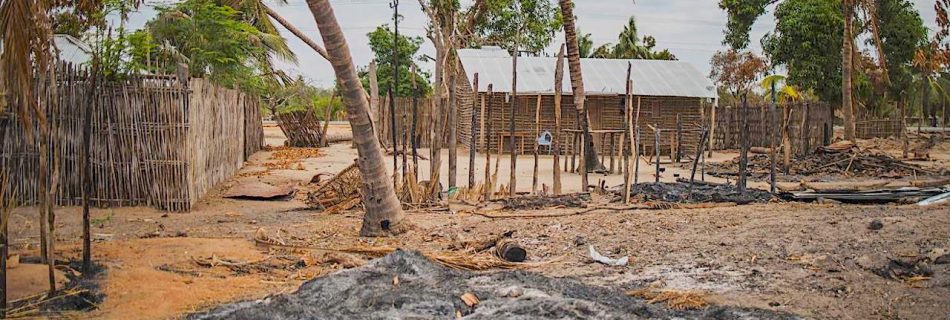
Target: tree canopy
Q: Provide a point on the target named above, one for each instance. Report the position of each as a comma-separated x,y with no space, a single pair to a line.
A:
381,42
629,46
736,71
741,15
807,41
209,38
529,24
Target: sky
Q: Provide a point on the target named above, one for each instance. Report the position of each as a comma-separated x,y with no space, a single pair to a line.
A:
691,29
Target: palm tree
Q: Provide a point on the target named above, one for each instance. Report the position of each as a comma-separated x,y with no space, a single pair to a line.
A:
847,67
384,215
590,159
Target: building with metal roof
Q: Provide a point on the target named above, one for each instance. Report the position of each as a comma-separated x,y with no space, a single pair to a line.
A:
71,49
601,76
669,95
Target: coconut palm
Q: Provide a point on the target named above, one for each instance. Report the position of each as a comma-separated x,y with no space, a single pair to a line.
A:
384,215
591,161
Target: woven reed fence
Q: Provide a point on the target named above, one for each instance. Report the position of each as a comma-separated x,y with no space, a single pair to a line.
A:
424,121
155,141
805,134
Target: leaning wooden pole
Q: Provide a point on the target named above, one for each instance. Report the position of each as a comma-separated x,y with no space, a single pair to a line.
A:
513,180
699,154
384,215
558,82
537,133
627,124
489,182
657,150
471,139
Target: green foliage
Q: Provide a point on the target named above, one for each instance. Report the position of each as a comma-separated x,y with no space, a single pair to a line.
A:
807,41
207,37
630,46
381,42
585,46
529,25
902,32
741,15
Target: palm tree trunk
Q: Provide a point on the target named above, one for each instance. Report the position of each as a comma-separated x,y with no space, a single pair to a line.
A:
847,104
373,94
589,160
384,215
290,27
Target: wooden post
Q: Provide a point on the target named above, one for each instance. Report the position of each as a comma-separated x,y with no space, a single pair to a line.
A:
699,154
471,139
392,130
489,182
657,149
85,184
805,129
786,140
558,78
574,147
453,124
772,145
679,138
636,145
513,181
537,134
712,127
902,107
375,110
743,144
628,134
415,123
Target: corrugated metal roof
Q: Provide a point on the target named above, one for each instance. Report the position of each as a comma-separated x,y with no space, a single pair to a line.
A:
71,49
601,76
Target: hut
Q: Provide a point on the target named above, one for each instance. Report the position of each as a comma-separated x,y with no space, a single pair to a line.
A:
667,92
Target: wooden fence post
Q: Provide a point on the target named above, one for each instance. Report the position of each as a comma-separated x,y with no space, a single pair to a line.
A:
558,78
415,123
537,134
489,181
453,126
657,149
513,181
679,138
743,144
471,139
636,145
628,134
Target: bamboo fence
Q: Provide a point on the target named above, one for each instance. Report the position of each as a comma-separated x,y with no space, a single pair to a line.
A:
804,134
155,140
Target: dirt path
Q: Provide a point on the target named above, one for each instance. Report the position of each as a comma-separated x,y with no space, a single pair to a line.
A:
807,259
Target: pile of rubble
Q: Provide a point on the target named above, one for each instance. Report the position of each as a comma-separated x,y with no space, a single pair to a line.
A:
843,159
701,192
573,200
406,285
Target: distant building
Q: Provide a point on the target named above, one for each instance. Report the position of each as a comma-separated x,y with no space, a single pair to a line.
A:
72,50
664,90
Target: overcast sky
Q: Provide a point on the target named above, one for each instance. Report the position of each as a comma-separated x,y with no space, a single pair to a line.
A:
691,29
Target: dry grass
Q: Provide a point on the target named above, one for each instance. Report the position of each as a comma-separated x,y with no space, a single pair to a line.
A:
674,299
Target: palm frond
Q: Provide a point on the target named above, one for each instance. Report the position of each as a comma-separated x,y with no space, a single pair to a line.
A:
26,34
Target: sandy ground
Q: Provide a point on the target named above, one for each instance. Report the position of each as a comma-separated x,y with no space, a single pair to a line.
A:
809,259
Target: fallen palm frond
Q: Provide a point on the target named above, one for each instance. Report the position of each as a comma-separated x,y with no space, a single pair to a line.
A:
674,299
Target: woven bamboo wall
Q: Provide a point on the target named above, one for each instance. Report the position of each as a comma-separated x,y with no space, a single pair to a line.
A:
804,135
154,141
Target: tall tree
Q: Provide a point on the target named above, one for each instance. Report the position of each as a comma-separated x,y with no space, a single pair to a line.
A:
591,160
381,42
804,42
847,67
384,215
